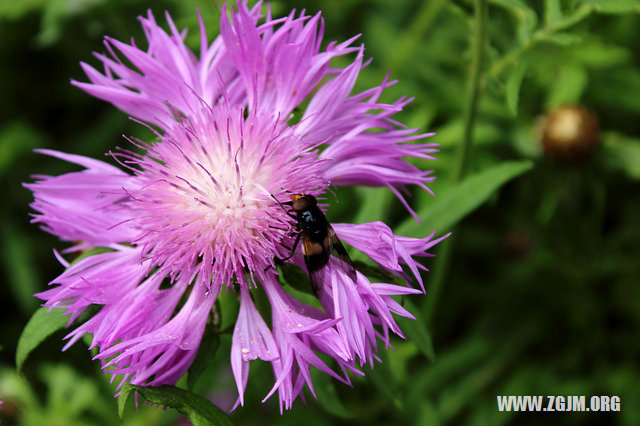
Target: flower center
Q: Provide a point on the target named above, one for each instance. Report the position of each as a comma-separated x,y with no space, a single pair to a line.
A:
205,199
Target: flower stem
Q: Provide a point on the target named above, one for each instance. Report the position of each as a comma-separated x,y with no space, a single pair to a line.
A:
443,260
473,91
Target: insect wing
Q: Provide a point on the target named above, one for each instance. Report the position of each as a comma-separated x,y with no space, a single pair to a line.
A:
338,250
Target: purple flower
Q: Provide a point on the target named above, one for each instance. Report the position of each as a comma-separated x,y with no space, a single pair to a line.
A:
195,214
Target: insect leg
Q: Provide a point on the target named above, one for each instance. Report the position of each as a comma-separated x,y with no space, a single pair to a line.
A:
293,249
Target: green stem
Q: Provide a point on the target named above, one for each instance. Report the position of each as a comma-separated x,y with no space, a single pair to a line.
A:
473,91
469,117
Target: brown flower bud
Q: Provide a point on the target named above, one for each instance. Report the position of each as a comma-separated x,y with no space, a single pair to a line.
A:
570,133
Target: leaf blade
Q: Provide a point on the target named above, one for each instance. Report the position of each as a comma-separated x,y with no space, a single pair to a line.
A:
417,331
385,381
613,6
463,198
22,273
552,11
513,87
327,395
199,410
123,398
208,347
42,324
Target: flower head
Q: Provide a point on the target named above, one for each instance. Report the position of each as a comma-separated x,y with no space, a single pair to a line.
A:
197,212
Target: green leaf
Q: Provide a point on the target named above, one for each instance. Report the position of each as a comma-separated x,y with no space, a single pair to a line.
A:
199,410
17,9
568,85
463,198
613,6
374,203
527,18
17,138
513,87
429,413
459,396
72,396
559,39
295,277
412,36
574,18
328,396
297,284
41,325
600,55
384,380
622,153
417,331
207,350
484,133
21,268
377,273
552,11
123,398
454,362
56,14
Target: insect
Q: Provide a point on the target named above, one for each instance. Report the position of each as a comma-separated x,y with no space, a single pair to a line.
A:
319,240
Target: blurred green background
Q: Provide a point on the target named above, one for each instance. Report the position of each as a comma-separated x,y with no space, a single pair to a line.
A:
540,293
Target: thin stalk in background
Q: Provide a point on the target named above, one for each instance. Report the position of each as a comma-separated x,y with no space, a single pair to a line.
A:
443,260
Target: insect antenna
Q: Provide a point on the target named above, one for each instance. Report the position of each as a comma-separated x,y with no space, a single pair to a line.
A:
286,203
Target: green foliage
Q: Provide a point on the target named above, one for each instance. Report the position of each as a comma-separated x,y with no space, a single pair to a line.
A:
295,277
327,395
17,139
614,6
123,399
513,87
71,399
570,83
17,9
199,410
23,274
623,154
461,199
208,346
42,324
417,332
385,382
